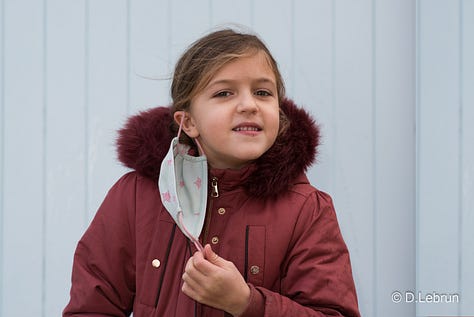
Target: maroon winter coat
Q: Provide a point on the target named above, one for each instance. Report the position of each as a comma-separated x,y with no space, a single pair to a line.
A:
280,232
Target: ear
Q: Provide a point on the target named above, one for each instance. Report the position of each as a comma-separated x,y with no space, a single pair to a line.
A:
188,125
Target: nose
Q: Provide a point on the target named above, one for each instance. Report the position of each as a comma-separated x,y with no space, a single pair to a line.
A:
247,103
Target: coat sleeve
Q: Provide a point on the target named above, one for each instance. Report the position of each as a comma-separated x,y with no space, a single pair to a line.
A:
317,276
103,273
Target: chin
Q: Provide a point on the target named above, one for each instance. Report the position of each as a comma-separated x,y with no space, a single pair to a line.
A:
252,156
249,154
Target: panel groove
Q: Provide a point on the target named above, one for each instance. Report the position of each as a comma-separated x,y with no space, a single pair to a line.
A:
333,93
467,139
128,57
2,144
417,148
292,51
374,159
461,157
86,113
45,160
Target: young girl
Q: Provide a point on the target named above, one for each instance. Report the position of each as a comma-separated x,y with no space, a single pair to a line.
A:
234,183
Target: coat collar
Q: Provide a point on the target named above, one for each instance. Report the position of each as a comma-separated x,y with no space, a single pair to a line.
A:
145,139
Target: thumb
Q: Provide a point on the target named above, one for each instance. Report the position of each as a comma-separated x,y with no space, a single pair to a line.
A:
212,257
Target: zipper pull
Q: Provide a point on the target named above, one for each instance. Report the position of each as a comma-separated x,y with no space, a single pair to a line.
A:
215,190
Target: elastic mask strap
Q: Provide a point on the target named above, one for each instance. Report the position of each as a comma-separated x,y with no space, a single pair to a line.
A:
201,151
180,125
193,239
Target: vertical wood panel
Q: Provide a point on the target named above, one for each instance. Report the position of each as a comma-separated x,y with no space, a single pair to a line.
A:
467,141
313,85
438,153
273,21
394,155
107,95
150,64
23,203
65,145
189,21
353,140
2,149
224,12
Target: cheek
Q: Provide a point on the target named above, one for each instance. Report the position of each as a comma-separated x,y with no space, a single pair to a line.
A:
275,122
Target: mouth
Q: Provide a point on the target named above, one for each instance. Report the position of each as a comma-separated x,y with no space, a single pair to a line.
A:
247,127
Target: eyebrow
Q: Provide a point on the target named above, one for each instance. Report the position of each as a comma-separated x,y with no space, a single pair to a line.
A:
230,81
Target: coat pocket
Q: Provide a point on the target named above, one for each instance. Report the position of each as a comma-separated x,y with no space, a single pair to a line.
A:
255,239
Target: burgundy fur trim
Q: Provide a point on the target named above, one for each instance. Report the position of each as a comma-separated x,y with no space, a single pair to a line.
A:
144,141
293,152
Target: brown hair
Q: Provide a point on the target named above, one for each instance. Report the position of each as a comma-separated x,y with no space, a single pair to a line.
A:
203,59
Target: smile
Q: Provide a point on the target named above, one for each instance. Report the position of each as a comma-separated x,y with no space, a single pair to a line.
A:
246,129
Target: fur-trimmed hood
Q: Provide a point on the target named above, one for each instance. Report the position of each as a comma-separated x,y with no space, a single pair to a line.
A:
145,139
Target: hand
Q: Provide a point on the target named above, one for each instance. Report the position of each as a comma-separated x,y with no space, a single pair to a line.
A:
213,281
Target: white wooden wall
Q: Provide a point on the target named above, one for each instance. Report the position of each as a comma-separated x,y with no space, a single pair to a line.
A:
445,154
391,82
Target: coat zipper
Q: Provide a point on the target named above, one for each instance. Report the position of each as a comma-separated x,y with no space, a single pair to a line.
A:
215,189
214,194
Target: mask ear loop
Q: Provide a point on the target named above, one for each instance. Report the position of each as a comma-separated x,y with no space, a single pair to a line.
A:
196,242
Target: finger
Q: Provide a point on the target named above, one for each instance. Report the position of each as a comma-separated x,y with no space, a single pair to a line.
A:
190,282
203,265
196,289
213,258
192,274
189,290
209,254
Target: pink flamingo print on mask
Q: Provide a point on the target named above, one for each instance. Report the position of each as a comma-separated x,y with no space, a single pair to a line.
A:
197,182
166,196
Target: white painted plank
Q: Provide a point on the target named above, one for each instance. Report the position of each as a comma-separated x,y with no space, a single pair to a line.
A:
274,22
23,178
394,155
151,66
2,152
65,146
467,141
353,140
107,90
189,21
313,86
438,153
228,12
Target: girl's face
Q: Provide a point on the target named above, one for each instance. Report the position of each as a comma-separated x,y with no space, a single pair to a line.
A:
236,116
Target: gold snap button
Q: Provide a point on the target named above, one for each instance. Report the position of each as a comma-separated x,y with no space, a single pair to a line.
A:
221,211
215,240
156,263
254,269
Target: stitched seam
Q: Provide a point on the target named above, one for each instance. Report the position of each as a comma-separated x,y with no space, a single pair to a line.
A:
168,250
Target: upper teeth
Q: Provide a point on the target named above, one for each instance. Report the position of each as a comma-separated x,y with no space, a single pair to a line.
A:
246,129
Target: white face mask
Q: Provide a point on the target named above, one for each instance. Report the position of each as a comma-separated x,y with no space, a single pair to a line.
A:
183,188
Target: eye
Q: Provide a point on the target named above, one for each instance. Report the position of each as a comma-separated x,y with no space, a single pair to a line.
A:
223,93
263,93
